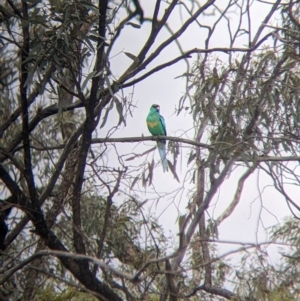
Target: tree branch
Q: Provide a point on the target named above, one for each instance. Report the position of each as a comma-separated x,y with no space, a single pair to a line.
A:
212,290
189,53
237,195
182,140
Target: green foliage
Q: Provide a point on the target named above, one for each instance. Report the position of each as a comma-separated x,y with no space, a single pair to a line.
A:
70,294
255,106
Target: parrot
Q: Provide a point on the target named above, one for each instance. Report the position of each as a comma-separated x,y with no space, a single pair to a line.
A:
157,127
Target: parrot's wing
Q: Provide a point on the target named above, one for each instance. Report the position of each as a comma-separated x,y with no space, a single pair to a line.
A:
162,121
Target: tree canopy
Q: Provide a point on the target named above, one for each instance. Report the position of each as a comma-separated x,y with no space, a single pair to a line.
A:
85,208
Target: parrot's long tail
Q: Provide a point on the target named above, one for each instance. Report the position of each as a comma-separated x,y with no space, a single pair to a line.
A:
163,156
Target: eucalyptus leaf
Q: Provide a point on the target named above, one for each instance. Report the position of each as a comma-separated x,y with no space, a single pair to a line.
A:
133,57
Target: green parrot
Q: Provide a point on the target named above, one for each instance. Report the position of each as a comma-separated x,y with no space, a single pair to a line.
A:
157,127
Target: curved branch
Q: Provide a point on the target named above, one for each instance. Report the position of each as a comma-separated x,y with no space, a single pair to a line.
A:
193,51
213,290
237,195
64,254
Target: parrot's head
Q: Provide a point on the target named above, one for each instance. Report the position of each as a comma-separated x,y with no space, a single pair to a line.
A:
155,107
